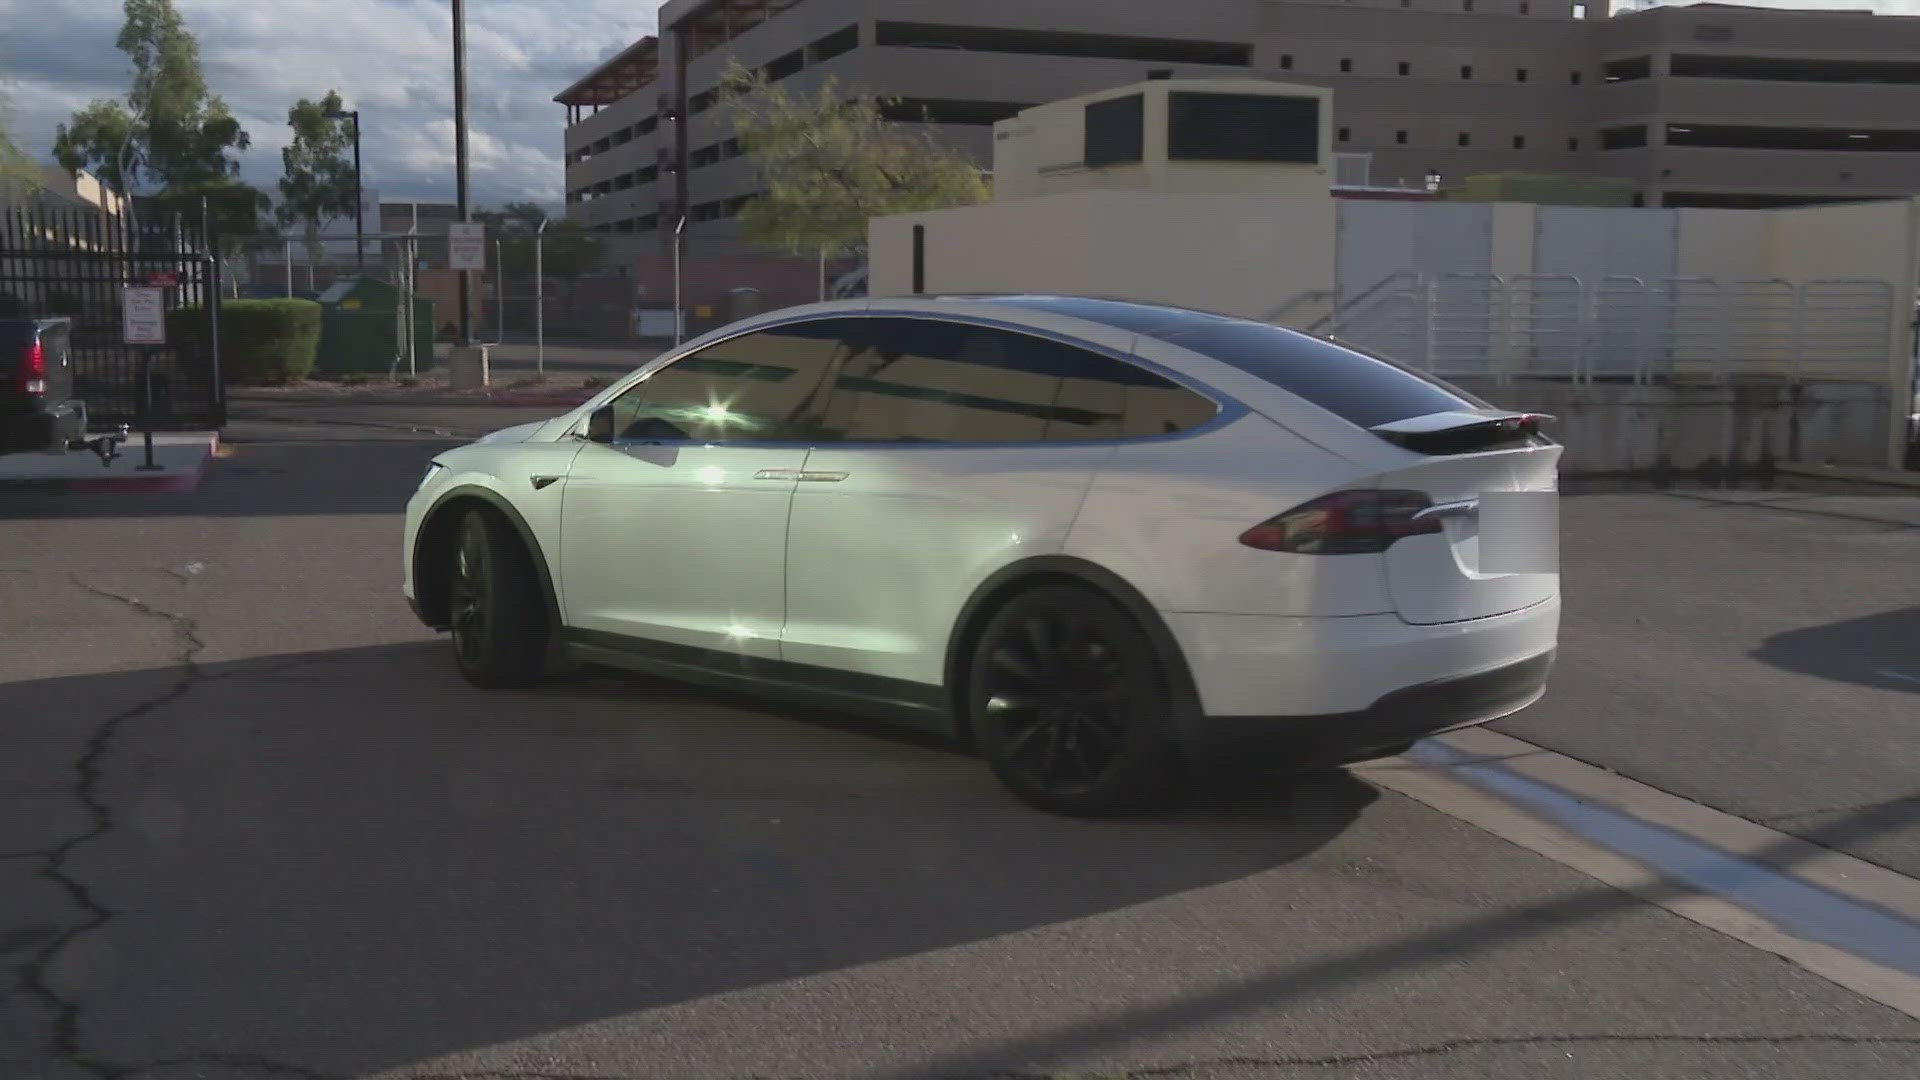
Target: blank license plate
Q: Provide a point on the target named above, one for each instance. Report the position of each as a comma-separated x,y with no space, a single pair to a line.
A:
1520,532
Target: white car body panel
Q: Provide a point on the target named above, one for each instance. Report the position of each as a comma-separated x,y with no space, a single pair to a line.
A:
1167,514
679,544
880,564
1252,665
507,469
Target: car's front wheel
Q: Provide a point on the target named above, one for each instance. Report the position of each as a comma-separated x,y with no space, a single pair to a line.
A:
497,611
1069,706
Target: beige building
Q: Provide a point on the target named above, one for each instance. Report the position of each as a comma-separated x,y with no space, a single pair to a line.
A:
1703,106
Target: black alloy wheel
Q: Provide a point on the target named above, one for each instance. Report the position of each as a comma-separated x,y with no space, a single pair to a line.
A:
1069,706
495,605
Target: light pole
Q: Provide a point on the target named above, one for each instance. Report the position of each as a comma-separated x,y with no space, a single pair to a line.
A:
460,160
359,200
540,299
679,320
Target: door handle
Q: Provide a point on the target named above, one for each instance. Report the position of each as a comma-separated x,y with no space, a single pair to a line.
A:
822,477
777,474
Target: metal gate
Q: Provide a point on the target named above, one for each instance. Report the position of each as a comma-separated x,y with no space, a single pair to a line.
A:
77,262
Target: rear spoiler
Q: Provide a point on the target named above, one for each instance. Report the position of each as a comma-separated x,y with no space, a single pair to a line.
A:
1462,431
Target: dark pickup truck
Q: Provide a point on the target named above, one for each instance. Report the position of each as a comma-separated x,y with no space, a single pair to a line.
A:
38,407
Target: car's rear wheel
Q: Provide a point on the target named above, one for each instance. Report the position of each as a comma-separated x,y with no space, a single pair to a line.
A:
1069,706
496,610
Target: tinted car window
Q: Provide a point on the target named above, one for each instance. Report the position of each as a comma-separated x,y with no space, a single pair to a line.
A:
1363,389
759,387
923,380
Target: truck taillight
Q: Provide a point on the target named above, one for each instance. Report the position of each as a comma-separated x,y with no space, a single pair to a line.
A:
33,369
1345,523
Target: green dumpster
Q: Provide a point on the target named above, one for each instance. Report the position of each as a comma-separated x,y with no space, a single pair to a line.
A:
359,328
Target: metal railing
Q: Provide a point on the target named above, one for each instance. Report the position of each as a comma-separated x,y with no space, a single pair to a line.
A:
1622,327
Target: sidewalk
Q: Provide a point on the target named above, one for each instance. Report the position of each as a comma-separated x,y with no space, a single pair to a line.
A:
179,461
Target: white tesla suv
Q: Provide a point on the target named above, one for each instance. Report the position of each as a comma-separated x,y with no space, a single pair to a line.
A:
1097,541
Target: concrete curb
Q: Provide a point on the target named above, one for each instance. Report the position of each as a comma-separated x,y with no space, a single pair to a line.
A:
171,483
532,400
1899,478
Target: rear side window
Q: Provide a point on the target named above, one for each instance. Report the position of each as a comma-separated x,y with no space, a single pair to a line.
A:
1362,389
912,380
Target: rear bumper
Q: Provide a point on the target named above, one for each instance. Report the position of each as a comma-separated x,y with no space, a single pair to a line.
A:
1330,690
1389,724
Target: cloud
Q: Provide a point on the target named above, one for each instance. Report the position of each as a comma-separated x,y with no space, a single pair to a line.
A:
392,59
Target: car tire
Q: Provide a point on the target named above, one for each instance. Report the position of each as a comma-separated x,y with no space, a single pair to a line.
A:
496,608
1069,706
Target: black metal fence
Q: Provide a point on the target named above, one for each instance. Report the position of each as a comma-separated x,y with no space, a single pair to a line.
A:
78,262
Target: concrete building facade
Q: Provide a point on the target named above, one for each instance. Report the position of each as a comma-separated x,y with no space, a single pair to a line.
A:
1703,106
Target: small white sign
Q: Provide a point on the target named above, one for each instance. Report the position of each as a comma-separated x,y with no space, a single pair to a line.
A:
143,315
467,245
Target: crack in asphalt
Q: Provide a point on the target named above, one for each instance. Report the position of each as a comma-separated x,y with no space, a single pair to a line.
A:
35,977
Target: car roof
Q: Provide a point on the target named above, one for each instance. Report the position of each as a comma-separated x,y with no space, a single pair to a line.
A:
1129,315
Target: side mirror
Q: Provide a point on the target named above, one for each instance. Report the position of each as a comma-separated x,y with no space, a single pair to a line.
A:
600,425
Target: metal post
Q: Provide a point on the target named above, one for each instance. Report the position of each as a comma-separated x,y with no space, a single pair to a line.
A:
146,411
500,291
679,320
540,299
413,282
460,159
359,201
289,269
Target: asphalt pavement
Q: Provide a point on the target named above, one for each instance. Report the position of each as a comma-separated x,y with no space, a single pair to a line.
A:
252,825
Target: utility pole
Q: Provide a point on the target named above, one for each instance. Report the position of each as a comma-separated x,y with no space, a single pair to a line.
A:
359,199
460,159
679,320
540,299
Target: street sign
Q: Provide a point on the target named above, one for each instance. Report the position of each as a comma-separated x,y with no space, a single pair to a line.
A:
467,245
143,316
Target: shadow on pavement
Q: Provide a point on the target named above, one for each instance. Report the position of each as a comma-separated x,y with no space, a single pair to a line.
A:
1451,944
357,843
1881,651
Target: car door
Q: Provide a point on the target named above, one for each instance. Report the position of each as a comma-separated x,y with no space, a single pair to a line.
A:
948,450
673,535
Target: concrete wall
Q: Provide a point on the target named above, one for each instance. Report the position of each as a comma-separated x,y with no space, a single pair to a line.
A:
1706,432
1234,254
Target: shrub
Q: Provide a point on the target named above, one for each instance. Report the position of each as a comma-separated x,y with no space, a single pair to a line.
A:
262,342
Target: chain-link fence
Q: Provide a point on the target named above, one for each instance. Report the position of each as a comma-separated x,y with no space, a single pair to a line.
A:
598,305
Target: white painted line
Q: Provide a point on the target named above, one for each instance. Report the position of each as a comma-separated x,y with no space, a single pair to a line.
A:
1847,920
1901,675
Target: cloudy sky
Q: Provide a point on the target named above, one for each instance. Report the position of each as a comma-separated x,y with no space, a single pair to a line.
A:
392,59
389,58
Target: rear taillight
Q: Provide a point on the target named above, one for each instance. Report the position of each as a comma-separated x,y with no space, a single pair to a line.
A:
33,369
1345,523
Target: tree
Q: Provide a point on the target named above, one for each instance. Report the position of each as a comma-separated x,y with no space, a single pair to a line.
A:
317,181
18,173
169,130
831,162
568,251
